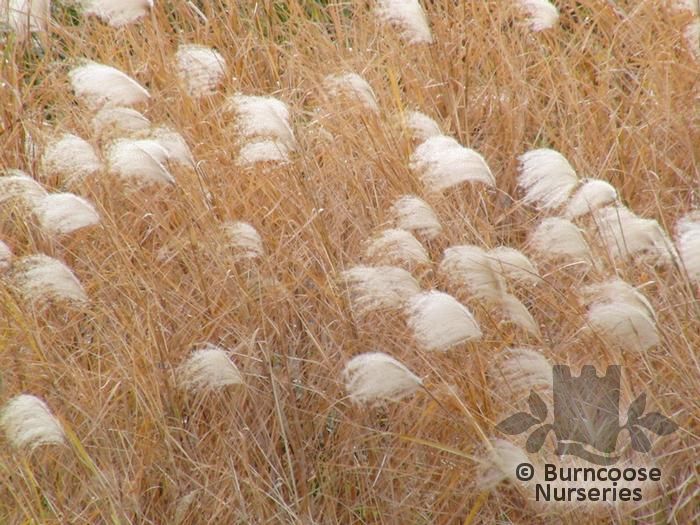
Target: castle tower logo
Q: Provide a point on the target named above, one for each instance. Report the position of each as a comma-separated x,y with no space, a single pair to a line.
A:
586,417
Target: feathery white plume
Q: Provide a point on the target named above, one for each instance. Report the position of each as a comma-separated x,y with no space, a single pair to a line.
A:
119,121
263,151
593,194
183,506
377,288
439,321
64,213
25,16
262,117
623,324
522,370
517,313
624,235
70,157
174,145
503,459
166,145
442,162
691,35
688,241
209,367
542,14
374,377
244,239
16,184
117,13
621,315
353,87
409,17
555,237
140,161
687,5
414,214
5,256
397,247
686,224
40,278
200,68
513,264
28,422
617,290
472,267
152,147
99,85
422,127
546,177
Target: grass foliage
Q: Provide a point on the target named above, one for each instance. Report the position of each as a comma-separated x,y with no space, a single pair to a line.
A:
614,88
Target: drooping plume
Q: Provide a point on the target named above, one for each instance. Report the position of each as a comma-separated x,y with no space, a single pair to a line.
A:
42,278
439,321
374,377
687,5
442,162
152,147
25,16
71,158
379,288
501,463
207,368
623,324
5,256
200,68
352,86
414,214
262,118
521,370
513,264
396,247
244,239
518,314
263,151
139,161
593,194
556,237
29,423
691,31
408,17
421,126
546,177
625,235
117,13
688,242
16,184
118,121
64,213
541,14
621,316
691,35
100,85
472,267
615,290
174,145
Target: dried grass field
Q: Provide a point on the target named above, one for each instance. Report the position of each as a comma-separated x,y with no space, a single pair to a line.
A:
292,261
